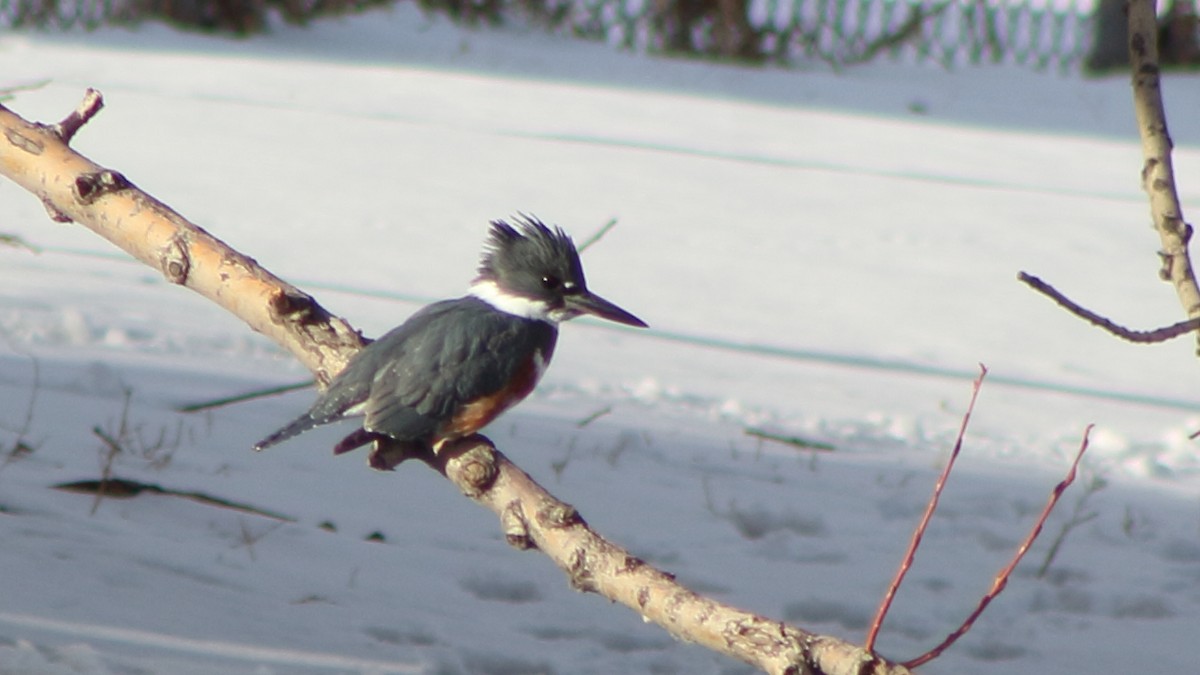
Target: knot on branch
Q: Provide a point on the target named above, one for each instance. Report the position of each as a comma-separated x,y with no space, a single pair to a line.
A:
579,572
471,463
55,213
175,262
1137,44
756,632
559,515
1148,168
643,599
630,565
1178,227
92,186
292,306
329,340
1164,265
516,528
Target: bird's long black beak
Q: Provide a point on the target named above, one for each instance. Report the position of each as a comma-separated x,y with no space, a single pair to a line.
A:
590,303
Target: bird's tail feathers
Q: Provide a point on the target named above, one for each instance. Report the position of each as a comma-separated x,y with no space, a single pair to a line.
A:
295,428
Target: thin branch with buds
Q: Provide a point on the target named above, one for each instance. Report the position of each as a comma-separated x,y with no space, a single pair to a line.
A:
1158,182
1138,336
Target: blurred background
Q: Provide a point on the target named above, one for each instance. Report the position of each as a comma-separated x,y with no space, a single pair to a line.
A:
1067,35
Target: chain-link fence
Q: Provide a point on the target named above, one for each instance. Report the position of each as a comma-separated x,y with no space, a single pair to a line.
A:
846,32
1040,33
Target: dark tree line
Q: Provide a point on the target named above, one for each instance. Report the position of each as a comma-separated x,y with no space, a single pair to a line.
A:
1178,36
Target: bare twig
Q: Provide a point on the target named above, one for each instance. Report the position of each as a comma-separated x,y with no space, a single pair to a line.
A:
592,417
113,446
91,104
1079,516
1158,176
794,441
248,539
21,446
7,92
1138,336
919,532
16,241
124,488
1002,578
200,406
599,234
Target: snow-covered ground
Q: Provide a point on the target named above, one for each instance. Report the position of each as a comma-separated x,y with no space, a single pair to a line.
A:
819,255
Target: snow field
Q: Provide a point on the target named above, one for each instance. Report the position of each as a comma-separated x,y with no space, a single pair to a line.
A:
807,250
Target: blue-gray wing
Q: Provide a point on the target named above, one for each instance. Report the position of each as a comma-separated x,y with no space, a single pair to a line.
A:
414,378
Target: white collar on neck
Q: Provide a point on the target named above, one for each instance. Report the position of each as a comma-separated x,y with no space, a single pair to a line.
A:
517,305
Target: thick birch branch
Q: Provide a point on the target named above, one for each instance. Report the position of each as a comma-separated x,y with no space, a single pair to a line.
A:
74,188
1158,176
533,518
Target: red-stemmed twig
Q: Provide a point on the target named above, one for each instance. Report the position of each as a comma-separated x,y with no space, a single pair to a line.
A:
1002,578
918,533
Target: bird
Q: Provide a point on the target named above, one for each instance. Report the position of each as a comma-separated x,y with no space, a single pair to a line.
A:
455,365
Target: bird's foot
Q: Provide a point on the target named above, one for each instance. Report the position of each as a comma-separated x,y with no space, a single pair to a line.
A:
472,460
387,454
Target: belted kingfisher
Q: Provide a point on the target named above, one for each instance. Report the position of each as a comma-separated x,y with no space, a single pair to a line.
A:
456,365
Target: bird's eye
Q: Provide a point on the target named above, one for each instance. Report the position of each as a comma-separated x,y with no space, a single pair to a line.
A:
551,282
